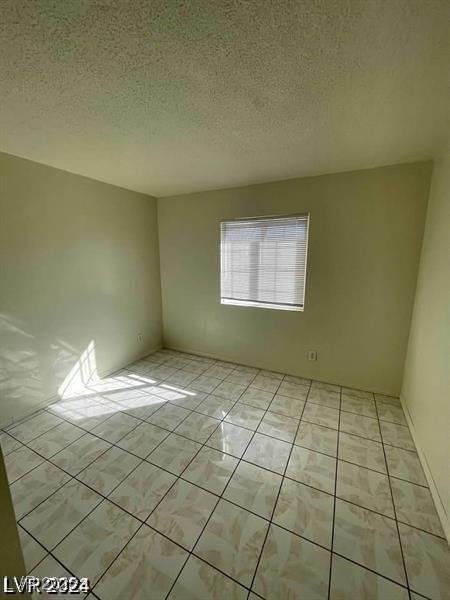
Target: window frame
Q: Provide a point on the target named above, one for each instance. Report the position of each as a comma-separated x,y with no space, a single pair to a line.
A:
261,303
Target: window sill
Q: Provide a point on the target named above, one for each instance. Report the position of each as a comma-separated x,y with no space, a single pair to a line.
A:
262,305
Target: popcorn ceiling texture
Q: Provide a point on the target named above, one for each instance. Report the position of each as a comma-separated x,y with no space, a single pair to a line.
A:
172,97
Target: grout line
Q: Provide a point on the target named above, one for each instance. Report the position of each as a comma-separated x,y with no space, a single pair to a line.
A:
48,553
201,558
223,491
365,568
67,472
112,490
395,513
202,445
226,485
177,478
146,420
146,459
279,491
116,556
20,421
103,499
37,436
334,501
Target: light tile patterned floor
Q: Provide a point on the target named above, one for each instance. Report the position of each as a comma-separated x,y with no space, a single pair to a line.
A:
184,477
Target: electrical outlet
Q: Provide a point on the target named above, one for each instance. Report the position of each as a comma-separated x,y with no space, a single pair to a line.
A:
139,337
312,355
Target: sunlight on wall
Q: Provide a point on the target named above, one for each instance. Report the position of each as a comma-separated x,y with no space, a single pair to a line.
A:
83,372
20,368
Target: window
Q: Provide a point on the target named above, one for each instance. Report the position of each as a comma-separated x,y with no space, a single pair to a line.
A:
263,261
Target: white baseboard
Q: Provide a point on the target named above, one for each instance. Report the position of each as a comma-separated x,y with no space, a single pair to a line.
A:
440,508
44,403
108,372
268,368
213,356
27,412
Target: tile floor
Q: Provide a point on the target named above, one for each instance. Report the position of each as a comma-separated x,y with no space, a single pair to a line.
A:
183,477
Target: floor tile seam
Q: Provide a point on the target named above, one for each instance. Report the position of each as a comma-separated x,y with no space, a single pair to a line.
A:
191,552
78,473
333,525
234,470
395,511
199,449
278,494
39,435
146,459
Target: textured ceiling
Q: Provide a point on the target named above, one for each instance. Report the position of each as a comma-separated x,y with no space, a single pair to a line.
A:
171,97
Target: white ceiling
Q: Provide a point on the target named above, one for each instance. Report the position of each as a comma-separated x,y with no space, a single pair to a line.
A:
178,96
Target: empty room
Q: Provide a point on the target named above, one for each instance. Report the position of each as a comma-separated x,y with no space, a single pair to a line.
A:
225,299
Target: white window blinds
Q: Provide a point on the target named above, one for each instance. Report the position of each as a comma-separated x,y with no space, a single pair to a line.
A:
263,261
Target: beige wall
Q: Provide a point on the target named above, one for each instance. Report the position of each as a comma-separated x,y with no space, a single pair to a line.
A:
79,263
426,383
11,557
365,235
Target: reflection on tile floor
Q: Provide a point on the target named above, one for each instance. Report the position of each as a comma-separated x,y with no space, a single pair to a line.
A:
195,478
